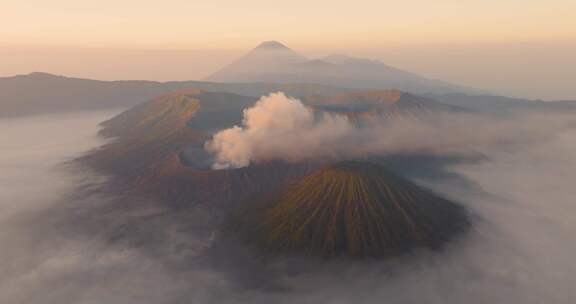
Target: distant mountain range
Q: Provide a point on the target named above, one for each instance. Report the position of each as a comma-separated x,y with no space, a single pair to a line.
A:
272,61
40,93
271,67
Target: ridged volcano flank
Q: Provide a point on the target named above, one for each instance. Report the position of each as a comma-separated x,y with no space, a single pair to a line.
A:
353,209
151,132
166,114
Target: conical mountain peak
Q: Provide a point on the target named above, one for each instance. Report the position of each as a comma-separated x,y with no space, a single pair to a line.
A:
351,208
271,45
266,59
274,62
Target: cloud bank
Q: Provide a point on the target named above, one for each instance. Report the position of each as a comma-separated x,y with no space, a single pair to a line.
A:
61,247
58,248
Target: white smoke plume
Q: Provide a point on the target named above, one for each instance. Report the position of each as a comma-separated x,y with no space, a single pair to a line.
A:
278,127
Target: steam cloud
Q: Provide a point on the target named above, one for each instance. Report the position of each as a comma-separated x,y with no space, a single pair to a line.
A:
278,127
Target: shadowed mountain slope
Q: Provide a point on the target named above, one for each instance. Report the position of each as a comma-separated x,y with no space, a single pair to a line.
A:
353,209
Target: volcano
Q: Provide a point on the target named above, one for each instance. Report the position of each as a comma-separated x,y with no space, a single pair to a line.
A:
321,208
272,61
150,133
351,208
265,58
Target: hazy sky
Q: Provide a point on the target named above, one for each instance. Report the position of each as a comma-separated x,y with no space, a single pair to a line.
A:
514,47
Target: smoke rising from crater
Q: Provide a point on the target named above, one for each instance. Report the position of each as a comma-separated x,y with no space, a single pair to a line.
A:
279,127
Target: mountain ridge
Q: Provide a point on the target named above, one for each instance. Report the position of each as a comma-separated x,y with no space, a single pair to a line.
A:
44,93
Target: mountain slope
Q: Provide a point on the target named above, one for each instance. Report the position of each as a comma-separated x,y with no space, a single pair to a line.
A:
265,58
152,132
350,208
364,106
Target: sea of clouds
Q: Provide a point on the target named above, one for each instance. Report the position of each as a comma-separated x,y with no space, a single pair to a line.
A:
57,247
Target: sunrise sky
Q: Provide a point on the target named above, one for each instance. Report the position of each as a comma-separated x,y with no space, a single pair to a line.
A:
521,48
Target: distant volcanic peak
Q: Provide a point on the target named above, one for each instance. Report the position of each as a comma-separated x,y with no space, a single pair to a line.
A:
271,45
269,57
270,51
273,62
355,209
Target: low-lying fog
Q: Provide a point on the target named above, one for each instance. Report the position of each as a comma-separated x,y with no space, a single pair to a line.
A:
520,251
